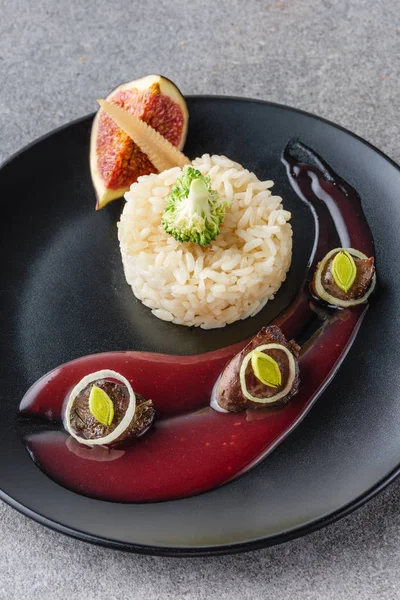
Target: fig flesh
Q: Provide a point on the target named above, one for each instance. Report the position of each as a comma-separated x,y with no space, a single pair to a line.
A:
162,154
116,161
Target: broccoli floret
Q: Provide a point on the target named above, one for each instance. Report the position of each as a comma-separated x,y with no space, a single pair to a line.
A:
194,211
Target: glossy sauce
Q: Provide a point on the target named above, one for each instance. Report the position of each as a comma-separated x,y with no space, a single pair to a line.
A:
192,448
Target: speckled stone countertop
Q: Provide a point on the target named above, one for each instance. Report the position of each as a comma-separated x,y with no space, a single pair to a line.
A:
340,60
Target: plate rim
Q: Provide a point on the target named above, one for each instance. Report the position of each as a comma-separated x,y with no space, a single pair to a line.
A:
217,549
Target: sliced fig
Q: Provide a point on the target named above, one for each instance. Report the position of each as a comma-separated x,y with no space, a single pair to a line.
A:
162,154
116,161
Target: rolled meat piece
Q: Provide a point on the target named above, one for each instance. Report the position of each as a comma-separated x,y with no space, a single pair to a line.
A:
104,410
345,277
264,373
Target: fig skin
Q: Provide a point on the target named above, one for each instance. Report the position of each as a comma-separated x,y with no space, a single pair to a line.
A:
229,393
115,160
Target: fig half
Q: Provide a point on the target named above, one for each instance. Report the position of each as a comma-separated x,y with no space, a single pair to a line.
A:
115,160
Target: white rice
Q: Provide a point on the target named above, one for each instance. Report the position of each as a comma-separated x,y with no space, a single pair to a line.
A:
232,278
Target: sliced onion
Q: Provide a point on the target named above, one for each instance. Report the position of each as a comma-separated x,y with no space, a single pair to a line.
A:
288,386
323,294
127,418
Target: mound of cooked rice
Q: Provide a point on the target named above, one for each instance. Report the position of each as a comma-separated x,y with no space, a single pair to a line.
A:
206,286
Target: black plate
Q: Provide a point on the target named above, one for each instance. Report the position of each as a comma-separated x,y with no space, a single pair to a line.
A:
63,295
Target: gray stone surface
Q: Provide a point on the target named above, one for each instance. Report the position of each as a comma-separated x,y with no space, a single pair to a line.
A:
338,59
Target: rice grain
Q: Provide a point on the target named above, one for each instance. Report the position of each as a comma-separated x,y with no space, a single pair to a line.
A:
232,278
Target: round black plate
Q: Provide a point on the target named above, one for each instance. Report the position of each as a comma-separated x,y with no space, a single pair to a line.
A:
63,295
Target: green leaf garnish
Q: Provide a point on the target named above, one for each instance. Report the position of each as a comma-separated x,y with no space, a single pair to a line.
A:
266,369
101,406
344,270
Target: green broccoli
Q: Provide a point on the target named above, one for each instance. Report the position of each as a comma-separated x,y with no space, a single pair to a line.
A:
194,211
